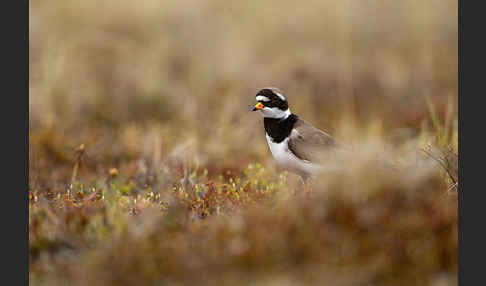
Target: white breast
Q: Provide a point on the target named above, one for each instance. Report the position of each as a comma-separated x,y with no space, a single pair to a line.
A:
287,160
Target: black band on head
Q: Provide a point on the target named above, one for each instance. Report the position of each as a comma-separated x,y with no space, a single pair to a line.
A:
274,99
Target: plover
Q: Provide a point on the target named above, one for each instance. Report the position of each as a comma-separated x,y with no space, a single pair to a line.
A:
296,145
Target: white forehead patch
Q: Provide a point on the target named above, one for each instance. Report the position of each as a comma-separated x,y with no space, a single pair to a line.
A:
262,98
280,95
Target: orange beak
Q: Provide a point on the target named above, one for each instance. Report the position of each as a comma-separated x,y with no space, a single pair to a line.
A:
258,106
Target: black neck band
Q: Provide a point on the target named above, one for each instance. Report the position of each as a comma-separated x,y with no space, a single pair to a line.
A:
279,129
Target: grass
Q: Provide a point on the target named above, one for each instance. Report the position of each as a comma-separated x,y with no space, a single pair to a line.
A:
247,229
147,168
394,226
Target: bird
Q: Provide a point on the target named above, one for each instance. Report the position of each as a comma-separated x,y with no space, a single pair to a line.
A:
295,144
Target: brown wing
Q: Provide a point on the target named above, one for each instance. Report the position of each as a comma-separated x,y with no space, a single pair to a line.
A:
309,143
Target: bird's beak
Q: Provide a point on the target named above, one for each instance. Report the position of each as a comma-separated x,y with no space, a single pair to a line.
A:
258,106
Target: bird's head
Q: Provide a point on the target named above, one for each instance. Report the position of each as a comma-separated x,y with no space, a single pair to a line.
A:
271,103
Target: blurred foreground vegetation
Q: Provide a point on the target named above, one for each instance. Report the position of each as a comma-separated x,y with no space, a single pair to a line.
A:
147,168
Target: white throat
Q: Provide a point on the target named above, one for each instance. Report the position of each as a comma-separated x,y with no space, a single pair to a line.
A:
275,112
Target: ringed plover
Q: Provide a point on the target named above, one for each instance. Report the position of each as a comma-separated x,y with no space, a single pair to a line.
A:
296,145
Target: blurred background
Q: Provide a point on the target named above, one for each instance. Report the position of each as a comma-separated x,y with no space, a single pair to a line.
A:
157,89
111,74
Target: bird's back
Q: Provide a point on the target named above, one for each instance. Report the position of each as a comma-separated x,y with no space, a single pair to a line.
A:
310,143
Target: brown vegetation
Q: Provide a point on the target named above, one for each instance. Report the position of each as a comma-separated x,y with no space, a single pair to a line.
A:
147,168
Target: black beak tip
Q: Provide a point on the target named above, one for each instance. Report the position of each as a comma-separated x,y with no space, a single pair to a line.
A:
254,109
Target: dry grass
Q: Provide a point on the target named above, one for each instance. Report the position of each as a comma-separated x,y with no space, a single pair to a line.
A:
147,168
